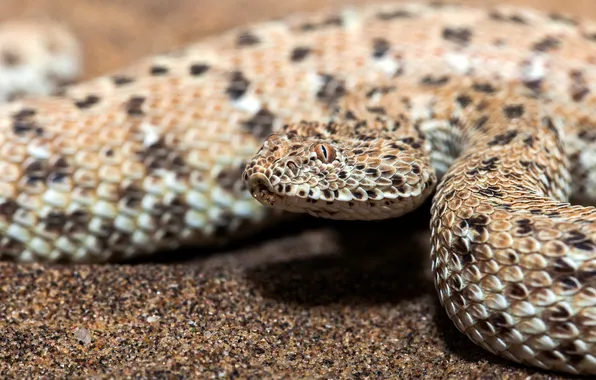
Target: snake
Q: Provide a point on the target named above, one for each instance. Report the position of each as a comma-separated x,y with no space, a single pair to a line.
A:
351,113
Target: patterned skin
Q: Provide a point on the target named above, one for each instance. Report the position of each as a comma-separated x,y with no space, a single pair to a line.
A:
351,114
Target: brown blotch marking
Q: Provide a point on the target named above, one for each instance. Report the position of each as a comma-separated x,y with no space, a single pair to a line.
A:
299,53
131,196
460,36
563,266
579,85
247,38
565,19
8,208
518,291
529,141
587,135
87,102
579,240
397,14
380,90
10,58
504,138
121,80
52,172
160,156
524,227
332,88
55,221
261,124
463,100
570,283
461,246
514,111
499,321
377,110
230,178
491,191
238,85
23,122
380,47
157,70
430,80
486,88
197,69
134,105
547,44
516,19
333,21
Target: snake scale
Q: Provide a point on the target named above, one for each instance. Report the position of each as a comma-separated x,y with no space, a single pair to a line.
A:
357,113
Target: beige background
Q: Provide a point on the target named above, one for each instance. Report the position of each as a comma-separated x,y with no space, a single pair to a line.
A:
115,32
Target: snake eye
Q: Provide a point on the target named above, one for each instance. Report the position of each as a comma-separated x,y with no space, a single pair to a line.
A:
325,152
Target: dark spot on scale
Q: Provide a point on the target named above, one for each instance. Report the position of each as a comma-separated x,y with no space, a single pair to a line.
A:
491,191
157,70
247,38
10,58
380,47
349,115
121,80
504,138
516,19
333,21
459,36
486,88
529,141
261,124
238,85
332,88
87,102
8,208
380,90
197,69
463,100
377,110
24,113
430,80
134,106
546,44
397,14
579,240
514,111
565,19
23,122
587,135
299,53
461,246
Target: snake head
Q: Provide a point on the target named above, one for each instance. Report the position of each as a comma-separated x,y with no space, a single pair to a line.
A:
327,171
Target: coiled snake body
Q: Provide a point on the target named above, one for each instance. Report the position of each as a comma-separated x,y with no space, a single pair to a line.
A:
361,111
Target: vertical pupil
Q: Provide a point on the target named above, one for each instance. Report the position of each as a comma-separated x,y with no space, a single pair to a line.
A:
324,151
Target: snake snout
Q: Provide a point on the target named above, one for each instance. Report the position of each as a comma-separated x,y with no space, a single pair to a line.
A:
261,189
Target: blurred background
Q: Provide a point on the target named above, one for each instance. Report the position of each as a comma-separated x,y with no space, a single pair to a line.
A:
116,32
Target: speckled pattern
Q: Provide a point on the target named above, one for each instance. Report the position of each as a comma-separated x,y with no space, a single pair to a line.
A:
340,310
